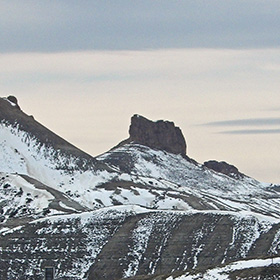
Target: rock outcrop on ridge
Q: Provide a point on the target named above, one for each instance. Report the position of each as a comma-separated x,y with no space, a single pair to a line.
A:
224,168
161,135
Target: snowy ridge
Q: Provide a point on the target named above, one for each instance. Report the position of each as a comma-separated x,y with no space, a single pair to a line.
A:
21,152
223,273
172,176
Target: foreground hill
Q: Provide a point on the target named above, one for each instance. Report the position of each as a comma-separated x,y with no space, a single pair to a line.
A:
142,208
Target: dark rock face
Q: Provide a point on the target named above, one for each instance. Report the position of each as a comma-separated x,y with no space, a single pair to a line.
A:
224,168
162,135
13,99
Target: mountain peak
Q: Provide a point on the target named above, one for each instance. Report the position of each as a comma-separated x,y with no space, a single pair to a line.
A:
12,116
163,135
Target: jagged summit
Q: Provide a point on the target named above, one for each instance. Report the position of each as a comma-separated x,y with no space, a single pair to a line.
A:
161,135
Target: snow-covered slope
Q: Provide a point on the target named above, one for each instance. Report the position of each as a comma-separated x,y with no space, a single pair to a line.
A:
125,241
128,174
162,207
22,154
136,175
247,269
180,183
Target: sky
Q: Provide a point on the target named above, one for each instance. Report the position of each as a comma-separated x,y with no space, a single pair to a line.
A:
83,68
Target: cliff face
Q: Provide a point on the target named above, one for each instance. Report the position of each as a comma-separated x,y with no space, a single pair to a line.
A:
162,135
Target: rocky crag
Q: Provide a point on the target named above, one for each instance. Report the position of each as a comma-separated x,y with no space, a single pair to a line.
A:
161,135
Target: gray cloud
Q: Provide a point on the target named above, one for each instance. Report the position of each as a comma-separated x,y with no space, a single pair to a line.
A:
252,131
246,122
274,109
257,122
65,25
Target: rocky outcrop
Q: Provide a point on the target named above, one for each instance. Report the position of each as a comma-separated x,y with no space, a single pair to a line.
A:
224,168
13,100
162,135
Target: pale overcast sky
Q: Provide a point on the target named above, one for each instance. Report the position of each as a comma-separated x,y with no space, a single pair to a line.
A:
83,68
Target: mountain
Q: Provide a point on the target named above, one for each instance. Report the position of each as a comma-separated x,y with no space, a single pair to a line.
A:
144,209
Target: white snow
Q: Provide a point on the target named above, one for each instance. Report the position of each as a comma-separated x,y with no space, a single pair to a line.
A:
12,103
5,231
222,273
140,235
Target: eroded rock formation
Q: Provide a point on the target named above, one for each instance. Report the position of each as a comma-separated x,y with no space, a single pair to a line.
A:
162,135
